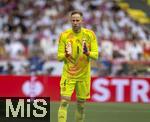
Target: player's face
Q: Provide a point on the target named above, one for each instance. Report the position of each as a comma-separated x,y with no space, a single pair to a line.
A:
76,21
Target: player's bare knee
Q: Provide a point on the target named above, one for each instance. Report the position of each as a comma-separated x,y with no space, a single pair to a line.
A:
81,101
80,105
66,98
64,103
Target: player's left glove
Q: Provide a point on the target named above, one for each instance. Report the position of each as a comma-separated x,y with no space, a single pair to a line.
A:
85,48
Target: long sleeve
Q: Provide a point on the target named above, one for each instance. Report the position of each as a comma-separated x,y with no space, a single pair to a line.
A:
94,47
61,49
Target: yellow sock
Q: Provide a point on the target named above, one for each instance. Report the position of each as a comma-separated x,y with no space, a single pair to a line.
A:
79,115
62,112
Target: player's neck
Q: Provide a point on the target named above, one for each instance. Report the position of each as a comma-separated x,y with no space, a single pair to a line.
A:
76,30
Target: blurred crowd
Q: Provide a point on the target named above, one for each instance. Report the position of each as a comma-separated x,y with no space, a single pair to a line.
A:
29,30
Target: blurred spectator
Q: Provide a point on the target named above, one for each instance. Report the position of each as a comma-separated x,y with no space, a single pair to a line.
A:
147,51
3,53
36,58
15,48
135,50
10,69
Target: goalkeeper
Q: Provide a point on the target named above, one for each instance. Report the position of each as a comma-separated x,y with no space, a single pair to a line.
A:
77,46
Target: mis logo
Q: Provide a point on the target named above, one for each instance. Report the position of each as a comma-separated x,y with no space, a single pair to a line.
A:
21,109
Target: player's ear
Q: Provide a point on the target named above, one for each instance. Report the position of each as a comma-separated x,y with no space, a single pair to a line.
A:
82,20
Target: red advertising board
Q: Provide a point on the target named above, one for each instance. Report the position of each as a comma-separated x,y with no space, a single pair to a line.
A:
120,89
103,89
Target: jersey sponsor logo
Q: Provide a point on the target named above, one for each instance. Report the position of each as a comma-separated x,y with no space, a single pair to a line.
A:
70,35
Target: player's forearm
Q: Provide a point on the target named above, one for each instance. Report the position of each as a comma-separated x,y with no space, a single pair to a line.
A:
61,56
61,53
93,54
64,56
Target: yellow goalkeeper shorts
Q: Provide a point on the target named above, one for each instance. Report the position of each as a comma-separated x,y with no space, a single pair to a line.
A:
82,88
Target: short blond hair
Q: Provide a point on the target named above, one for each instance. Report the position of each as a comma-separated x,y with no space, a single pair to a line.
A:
76,12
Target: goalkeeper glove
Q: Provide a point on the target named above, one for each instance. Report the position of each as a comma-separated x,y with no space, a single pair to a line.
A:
68,49
85,49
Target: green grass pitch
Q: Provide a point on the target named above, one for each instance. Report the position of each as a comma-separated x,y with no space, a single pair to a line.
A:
107,112
100,112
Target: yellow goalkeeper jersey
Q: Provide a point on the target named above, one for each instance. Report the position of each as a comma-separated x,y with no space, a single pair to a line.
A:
78,65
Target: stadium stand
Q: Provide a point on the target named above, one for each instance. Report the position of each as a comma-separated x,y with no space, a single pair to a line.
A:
29,31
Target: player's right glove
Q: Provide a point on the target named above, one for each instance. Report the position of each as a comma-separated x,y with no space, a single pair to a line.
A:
68,49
